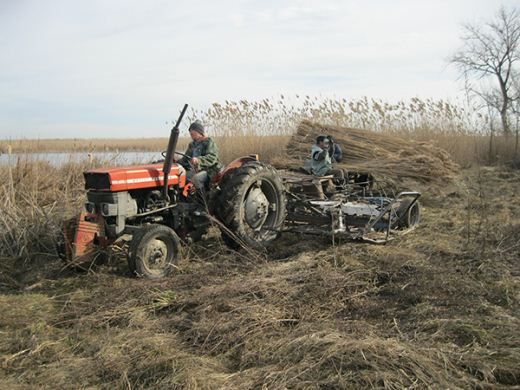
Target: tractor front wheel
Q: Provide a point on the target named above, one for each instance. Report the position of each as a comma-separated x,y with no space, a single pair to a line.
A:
154,252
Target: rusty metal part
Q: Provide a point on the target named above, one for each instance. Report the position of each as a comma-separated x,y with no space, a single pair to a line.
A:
84,235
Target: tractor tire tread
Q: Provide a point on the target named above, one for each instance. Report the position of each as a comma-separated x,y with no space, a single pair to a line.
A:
229,201
135,263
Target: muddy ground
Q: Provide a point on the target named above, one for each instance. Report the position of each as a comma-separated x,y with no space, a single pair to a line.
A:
438,308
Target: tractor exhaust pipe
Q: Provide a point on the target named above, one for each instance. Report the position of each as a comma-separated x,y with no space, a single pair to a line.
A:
172,144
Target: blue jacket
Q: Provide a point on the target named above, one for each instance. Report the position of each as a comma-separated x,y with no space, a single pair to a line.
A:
321,161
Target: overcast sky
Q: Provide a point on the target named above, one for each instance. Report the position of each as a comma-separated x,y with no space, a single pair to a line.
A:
105,68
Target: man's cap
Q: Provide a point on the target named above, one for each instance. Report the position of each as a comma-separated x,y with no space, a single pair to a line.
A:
198,127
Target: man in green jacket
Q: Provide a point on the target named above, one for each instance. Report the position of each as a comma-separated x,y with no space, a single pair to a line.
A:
201,158
321,159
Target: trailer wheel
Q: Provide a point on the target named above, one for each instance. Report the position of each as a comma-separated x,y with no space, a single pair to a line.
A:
251,206
409,216
154,252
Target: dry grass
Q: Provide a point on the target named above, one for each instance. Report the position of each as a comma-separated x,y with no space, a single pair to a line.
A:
439,308
436,309
34,198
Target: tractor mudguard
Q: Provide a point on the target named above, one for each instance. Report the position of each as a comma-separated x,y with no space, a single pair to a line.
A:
237,163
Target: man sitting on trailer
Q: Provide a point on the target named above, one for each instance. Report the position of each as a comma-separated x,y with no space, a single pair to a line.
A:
321,159
201,158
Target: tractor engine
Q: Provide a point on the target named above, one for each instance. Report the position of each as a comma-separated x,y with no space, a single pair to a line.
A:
117,194
115,198
114,207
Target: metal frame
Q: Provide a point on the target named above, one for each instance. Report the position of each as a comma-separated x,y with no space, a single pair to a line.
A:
313,218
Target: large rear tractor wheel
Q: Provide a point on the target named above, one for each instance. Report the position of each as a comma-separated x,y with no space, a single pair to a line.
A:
154,252
251,206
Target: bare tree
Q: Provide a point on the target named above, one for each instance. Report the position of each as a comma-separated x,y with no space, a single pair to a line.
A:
491,51
515,108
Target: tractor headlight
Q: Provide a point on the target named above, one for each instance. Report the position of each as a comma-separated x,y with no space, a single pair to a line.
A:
108,209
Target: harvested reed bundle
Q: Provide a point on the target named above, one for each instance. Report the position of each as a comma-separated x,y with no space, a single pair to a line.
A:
386,156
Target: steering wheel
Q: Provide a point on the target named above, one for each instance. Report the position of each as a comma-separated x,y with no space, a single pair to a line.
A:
182,154
188,158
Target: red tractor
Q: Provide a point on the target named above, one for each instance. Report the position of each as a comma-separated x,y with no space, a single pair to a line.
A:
158,207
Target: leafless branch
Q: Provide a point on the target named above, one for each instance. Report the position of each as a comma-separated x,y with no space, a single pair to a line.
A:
492,51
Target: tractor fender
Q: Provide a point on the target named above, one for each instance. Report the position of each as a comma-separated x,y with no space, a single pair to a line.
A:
237,163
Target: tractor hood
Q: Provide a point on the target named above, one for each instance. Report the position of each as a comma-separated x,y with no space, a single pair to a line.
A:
133,177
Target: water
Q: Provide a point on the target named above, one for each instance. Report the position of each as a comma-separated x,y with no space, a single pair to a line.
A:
57,159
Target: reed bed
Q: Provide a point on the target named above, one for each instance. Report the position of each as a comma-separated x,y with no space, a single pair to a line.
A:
34,199
460,131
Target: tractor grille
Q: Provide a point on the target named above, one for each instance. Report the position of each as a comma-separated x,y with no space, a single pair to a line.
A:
97,181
